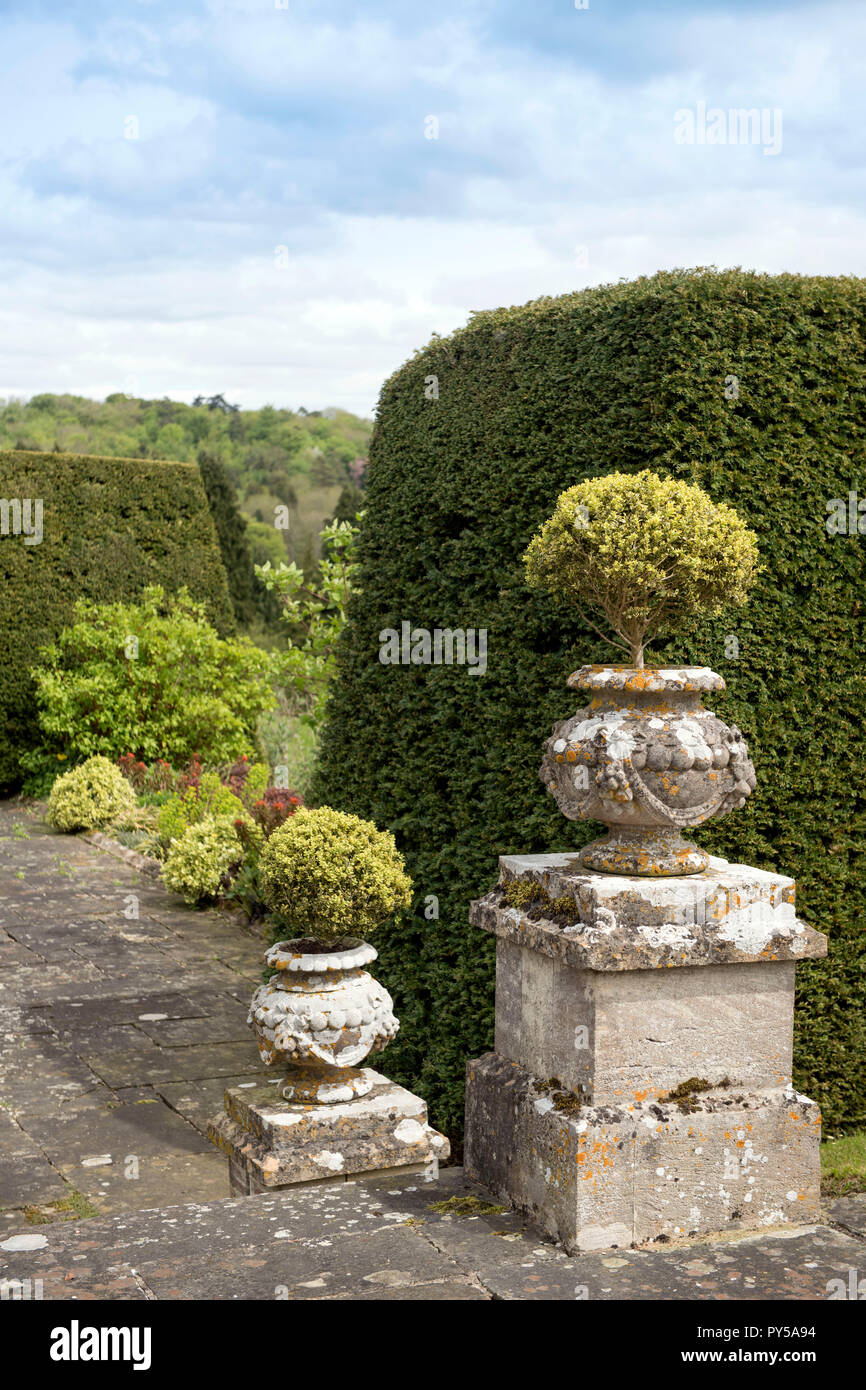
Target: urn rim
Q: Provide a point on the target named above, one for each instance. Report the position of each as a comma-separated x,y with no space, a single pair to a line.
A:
285,955
653,679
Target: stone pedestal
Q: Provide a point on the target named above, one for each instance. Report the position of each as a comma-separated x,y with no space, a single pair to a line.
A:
640,1087
272,1143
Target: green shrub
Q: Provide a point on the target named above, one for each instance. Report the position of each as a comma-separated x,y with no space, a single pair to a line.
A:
315,615
645,552
199,862
152,679
247,780
40,771
204,801
110,528
332,875
750,386
90,796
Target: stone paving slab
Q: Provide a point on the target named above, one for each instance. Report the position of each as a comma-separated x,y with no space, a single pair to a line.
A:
185,1032
150,1181
382,1240
39,1073
136,1009
850,1213
198,1101
127,1057
13,954
29,1181
142,1125
103,1017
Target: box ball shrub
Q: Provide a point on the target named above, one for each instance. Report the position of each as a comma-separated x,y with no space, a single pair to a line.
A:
90,796
644,553
332,875
198,863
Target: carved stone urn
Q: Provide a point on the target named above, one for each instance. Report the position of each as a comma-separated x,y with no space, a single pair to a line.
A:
319,1016
648,760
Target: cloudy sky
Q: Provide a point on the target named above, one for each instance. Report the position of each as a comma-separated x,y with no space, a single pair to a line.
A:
283,199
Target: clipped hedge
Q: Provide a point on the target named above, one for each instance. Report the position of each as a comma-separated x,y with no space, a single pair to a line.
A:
530,400
109,527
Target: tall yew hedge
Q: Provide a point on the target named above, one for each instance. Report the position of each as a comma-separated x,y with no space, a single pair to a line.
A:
751,386
110,527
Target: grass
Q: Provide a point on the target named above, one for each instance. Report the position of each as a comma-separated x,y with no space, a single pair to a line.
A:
843,1165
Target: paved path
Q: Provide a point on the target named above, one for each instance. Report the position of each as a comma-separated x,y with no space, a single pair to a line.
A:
384,1240
118,1033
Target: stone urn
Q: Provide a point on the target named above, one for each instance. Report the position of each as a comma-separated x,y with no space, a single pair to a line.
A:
320,1014
648,760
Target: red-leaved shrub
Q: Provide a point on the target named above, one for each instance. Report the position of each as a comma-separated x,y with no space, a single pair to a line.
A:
274,807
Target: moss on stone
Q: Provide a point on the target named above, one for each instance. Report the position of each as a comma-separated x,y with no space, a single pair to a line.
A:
565,1101
684,1095
565,906
467,1206
75,1207
532,898
522,892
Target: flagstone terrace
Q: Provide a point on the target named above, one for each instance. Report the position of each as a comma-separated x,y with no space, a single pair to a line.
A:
122,1021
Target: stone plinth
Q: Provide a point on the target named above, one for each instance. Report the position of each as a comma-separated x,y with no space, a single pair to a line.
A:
614,992
271,1143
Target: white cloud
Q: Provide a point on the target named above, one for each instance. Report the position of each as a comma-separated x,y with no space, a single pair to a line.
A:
153,260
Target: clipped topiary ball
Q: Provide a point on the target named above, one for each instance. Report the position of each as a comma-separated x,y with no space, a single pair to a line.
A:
89,796
647,553
332,874
198,861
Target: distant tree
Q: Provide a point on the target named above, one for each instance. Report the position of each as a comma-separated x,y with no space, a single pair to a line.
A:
349,503
274,457
217,402
250,598
172,443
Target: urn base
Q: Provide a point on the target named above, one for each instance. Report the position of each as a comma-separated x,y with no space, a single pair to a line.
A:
318,1083
645,851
